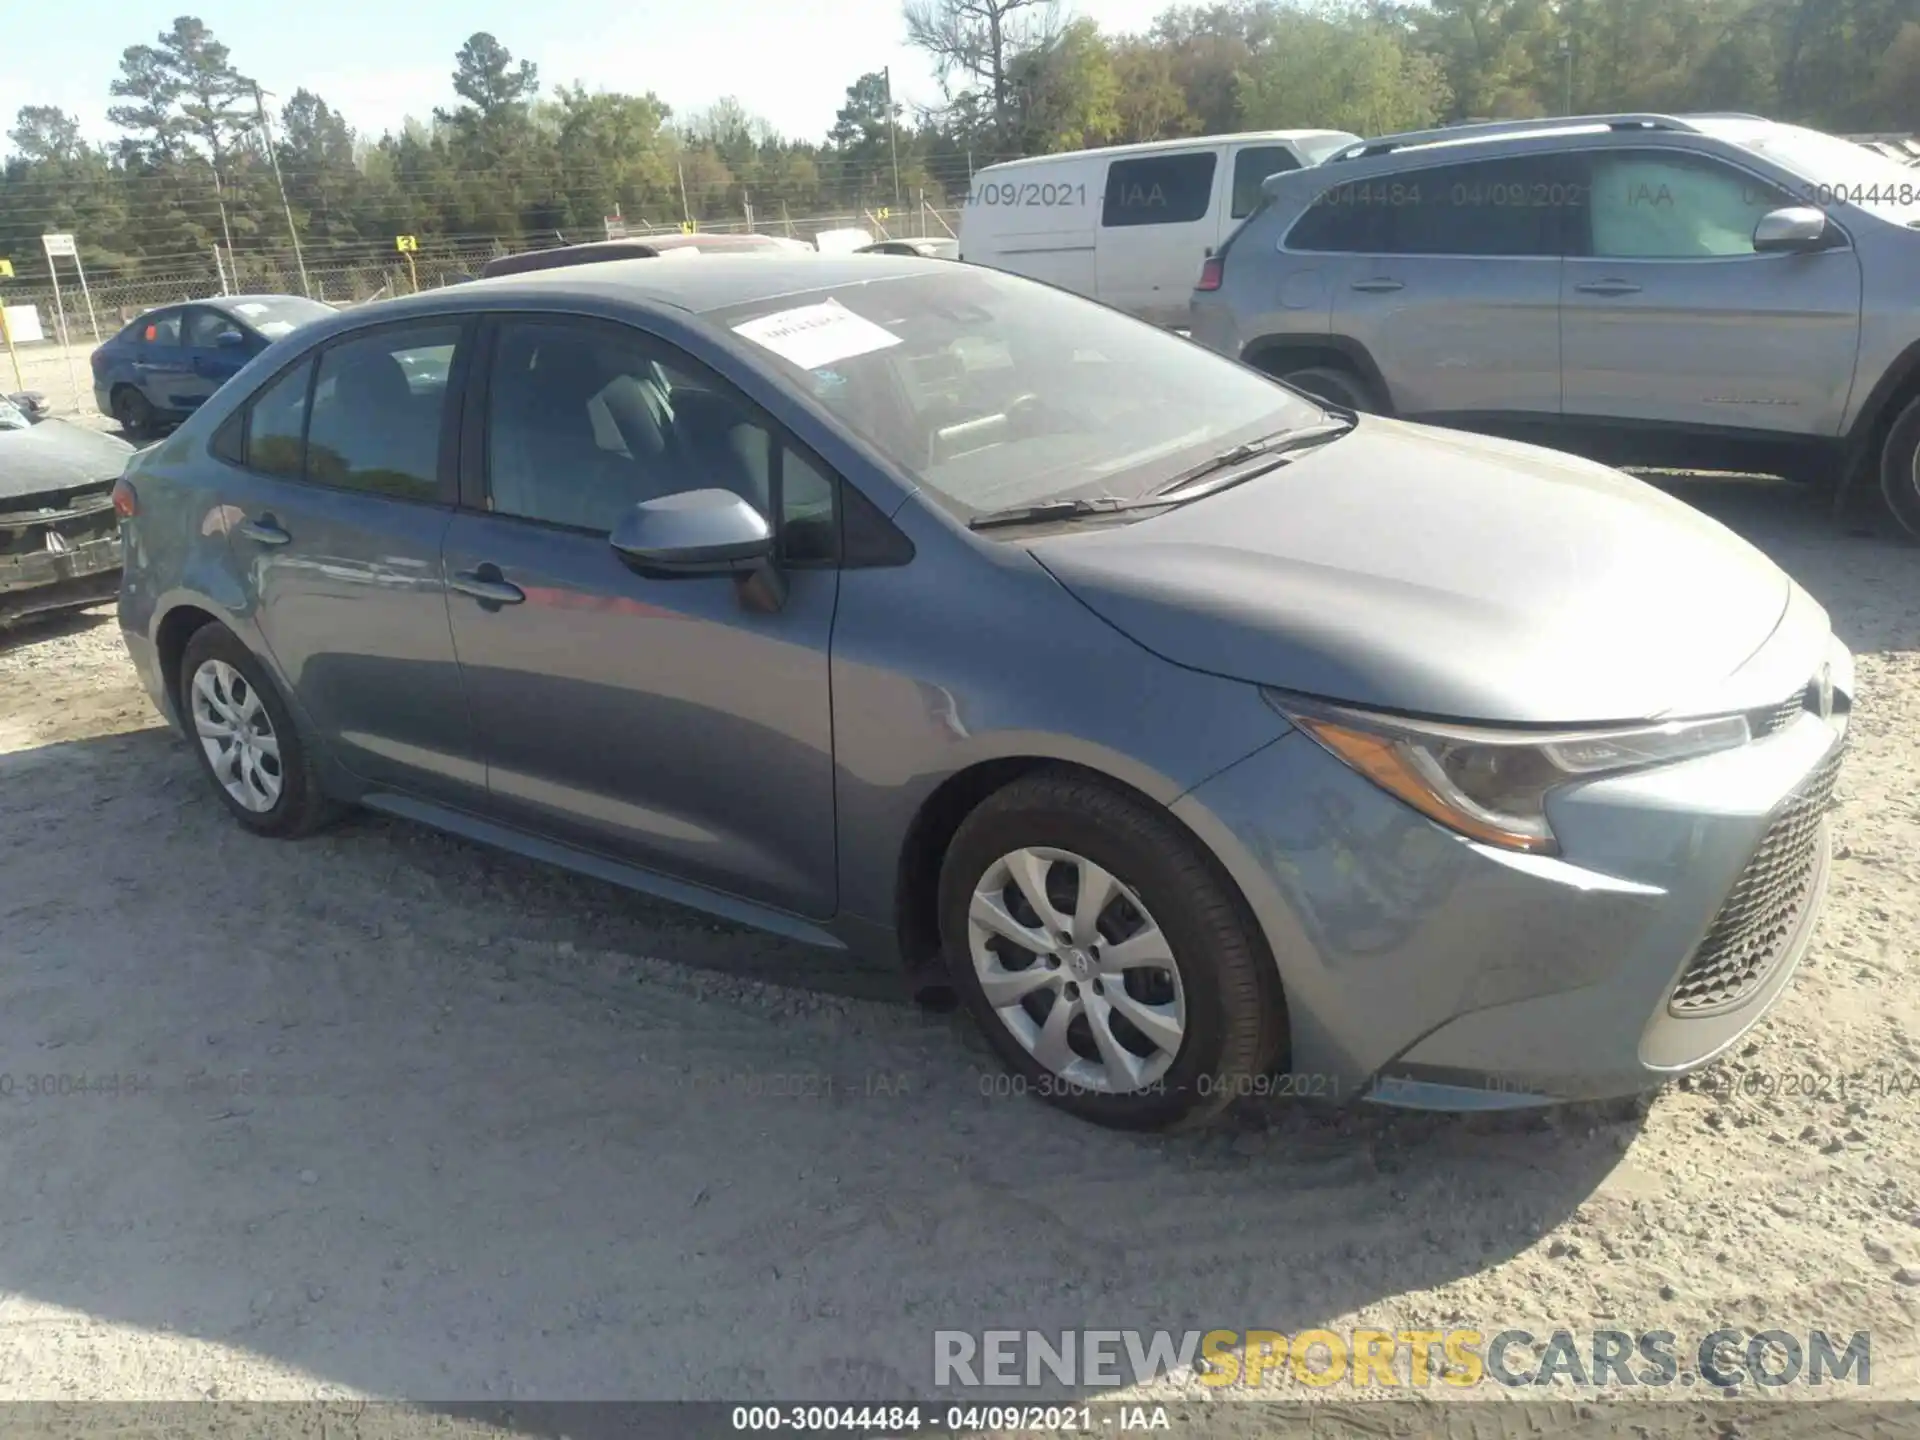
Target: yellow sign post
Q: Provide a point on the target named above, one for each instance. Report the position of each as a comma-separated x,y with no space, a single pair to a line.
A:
686,227
6,331
407,245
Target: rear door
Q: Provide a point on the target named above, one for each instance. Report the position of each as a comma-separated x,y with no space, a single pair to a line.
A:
1158,220
1670,315
338,497
208,364
1449,277
162,365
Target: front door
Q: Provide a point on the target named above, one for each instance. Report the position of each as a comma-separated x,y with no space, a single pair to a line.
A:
1157,223
670,723
1670,316
337,526
1451,281
162,365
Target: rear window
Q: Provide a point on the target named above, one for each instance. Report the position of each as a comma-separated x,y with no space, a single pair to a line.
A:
993,391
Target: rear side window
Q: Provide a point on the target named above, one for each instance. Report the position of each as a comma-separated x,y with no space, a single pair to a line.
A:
378,403
1158,190
1496,208
276,423
1250,167
163,329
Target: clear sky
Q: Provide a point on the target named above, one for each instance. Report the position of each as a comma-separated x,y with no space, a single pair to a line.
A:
788,61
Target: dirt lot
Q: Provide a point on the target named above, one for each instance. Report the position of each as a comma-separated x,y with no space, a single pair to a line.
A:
399,1116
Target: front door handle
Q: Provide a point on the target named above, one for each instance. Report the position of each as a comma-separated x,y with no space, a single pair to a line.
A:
487,585
264,531
1382,285
1608,287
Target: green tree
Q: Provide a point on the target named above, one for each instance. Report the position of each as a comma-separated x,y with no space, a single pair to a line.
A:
1068,91
1341,70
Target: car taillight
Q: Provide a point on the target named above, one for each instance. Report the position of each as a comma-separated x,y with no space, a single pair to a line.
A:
126,504
1212,272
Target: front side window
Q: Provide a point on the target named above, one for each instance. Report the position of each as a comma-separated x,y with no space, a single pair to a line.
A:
992,391
587,420
378,406
1649,205
1250,168
1158,190
204,328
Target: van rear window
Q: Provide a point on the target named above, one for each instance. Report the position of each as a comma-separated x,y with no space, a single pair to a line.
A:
1158,190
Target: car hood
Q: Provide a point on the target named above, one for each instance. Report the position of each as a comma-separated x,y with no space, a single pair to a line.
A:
1441,574
57,455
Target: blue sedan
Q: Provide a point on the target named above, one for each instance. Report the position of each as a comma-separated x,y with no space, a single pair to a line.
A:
160,368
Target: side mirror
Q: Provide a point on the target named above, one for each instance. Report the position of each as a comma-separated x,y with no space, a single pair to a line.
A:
696,532
230,340
1794,229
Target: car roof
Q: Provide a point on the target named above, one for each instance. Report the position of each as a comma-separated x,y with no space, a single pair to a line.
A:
1158,147
1726,126
716,282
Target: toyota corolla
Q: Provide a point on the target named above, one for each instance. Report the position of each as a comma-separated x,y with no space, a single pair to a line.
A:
1200,732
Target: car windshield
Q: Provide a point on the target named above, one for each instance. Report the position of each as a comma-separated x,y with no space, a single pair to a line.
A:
11,416
994,391
277,315
1838,170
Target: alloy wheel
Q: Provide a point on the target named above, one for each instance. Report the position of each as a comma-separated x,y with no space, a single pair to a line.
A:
1077,970
236,732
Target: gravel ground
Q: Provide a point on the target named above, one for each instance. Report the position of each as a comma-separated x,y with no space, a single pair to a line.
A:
398,1116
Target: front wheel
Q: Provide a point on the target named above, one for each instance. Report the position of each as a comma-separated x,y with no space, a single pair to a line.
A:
246,739
1111,968
1900,469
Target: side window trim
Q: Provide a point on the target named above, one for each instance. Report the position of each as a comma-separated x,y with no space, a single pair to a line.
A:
473,483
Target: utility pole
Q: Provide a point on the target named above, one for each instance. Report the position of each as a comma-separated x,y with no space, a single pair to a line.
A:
293,233
893,142
685,210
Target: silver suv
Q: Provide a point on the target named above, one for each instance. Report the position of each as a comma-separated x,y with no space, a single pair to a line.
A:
1716,291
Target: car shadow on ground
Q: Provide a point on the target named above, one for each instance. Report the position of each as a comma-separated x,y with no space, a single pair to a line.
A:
408,1117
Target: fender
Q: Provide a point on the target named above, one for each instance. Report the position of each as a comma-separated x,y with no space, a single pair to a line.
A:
1896,383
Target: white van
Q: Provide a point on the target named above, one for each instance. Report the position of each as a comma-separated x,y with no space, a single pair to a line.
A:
1129,225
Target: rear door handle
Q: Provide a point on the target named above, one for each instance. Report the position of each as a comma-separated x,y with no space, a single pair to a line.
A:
264,531
1380,286
487,585
1608,287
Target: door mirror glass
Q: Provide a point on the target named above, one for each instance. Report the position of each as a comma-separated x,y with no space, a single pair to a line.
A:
1798,227
694,532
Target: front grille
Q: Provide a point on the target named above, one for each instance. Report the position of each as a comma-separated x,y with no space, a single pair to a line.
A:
1766,906
1771,722
78,515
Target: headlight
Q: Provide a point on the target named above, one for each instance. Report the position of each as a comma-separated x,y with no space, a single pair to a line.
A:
1490,784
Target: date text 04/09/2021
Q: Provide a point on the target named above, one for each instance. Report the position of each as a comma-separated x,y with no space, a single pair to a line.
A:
905,1419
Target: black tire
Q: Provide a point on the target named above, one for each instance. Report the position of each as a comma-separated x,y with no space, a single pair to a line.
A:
1900,469
1336,386
301,807
135,413
1234,1019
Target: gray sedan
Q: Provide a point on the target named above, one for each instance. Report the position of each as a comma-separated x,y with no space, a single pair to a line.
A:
1213,741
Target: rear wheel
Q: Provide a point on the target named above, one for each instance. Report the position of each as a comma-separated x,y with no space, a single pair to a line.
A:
246,739
1111,968
134,412
1336,386
1900,469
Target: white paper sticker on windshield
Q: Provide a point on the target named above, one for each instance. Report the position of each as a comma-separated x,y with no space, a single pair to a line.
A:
274,329
815,335
251,309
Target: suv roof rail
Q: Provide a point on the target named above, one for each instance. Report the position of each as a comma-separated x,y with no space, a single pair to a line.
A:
1498,129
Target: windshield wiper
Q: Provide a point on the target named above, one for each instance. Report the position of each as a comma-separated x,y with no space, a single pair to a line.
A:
1281,442
1046,510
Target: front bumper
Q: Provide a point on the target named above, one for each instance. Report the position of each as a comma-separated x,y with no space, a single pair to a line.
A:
1424,969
